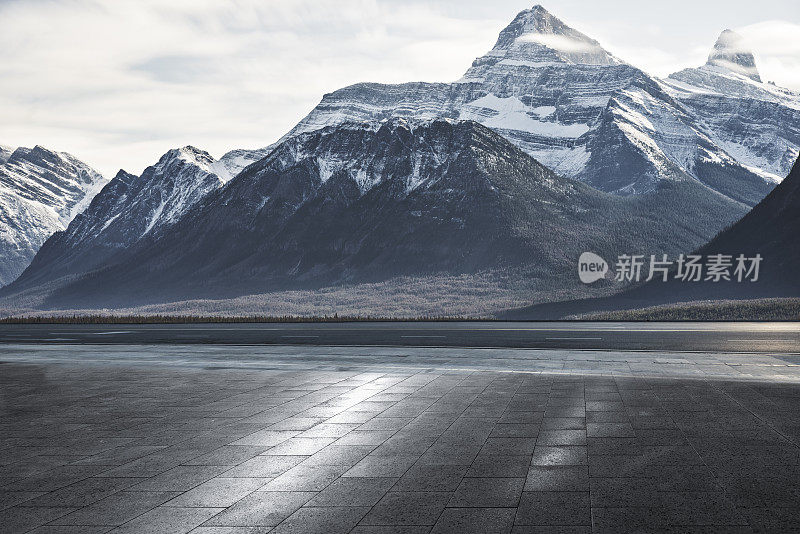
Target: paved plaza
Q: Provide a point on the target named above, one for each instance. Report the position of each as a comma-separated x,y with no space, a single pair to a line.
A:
235,440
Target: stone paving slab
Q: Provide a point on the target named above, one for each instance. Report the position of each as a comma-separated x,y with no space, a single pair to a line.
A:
152,439
776,367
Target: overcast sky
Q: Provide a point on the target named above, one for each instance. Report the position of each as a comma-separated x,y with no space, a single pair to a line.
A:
118,83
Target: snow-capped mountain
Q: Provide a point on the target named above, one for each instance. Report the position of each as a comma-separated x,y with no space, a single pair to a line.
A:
755,122
40,192
366,202
565,100
128,209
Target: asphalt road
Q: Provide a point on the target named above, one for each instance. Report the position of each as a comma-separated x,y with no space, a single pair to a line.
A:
690,337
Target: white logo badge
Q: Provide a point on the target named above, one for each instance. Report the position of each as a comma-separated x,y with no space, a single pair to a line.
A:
591,268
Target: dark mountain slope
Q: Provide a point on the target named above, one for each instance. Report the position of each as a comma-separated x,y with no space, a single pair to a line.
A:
770,229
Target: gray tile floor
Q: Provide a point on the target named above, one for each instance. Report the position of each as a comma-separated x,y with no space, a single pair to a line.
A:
150,440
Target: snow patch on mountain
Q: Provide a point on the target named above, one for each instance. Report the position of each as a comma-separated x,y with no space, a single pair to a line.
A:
83,203
511,114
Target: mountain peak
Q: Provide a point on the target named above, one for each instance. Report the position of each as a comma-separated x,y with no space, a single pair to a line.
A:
538,20
731,52
125,177
537,32
188,154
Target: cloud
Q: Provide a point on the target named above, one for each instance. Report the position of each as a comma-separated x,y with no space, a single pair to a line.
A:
773,37
562,43
118,83
777,50
657,61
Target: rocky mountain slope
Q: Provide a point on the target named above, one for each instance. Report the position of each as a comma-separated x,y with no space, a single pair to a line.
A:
40,192
769,230
368,202
126,211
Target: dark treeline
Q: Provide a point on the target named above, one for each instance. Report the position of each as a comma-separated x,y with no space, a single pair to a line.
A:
756,310
207,319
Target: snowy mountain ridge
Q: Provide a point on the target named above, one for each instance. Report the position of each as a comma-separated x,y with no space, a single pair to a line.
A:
130,208
363,202
40,193
364,162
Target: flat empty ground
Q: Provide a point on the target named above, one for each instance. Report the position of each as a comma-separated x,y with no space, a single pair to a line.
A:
229,440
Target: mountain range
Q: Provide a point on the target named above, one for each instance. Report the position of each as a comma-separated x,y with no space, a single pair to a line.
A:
548,146
361,203
42,191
